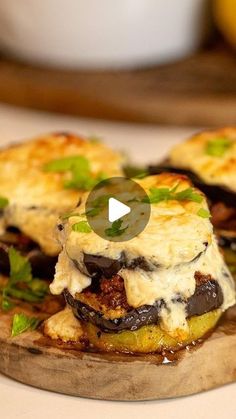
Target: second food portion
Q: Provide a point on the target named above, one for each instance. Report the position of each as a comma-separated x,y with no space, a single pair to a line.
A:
157,290
163,289
40,180
209,159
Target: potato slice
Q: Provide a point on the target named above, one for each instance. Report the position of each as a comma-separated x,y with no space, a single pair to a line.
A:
150,338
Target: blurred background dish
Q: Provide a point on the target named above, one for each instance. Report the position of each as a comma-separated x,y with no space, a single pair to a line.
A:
101,34
155,61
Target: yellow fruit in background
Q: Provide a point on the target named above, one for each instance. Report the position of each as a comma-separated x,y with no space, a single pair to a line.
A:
225,16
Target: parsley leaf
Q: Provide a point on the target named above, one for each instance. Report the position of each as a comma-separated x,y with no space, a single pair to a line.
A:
115,229
204,213
218,146
97,205
141,175
188,195
80,170
3,202
66,164
82,227
69,215
21,323
135,172
21,285
20,268
7,304
158,195
166,194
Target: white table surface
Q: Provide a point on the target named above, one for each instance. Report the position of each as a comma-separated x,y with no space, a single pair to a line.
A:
18,401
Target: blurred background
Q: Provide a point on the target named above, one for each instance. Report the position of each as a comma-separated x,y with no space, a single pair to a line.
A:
167,62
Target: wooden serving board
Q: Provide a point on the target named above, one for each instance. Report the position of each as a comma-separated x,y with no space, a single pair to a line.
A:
29,359
199,90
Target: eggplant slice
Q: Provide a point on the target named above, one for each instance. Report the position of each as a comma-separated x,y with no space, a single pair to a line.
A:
98,266
207,297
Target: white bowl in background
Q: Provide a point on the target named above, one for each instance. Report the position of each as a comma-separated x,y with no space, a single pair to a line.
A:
101,33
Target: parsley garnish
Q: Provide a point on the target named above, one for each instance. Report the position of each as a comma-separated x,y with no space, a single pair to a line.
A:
218,146
82,227
188,195
6,304
80,170
166,194
97,205
21,323
20,269
69,215
3,202
141,175
21,285
115,229
204,213
135,172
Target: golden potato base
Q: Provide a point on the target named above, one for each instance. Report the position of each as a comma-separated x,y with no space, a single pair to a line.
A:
150,339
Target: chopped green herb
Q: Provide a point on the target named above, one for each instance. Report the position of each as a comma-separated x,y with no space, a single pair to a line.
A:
141,175
82,227
165,194
7,304
188,195
66,164
20,268
69,215
133,200
80,181
115,229
26,295
135,172
93,211
21,323
3,202
38,287
204,213
218,146
157,195
97,205
21,285
80,170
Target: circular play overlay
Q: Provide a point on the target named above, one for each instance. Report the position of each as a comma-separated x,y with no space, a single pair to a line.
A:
118,209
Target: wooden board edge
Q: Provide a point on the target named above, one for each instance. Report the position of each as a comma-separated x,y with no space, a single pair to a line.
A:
97,376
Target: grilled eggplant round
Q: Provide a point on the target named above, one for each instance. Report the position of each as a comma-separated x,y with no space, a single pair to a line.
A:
207,297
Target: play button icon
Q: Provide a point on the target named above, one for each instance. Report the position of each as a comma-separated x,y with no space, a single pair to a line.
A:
118,209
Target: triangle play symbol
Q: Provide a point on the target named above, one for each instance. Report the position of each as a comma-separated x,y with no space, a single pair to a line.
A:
117,210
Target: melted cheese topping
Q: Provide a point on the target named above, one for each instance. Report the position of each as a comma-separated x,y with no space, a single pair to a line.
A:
176,243
192,155
37,197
